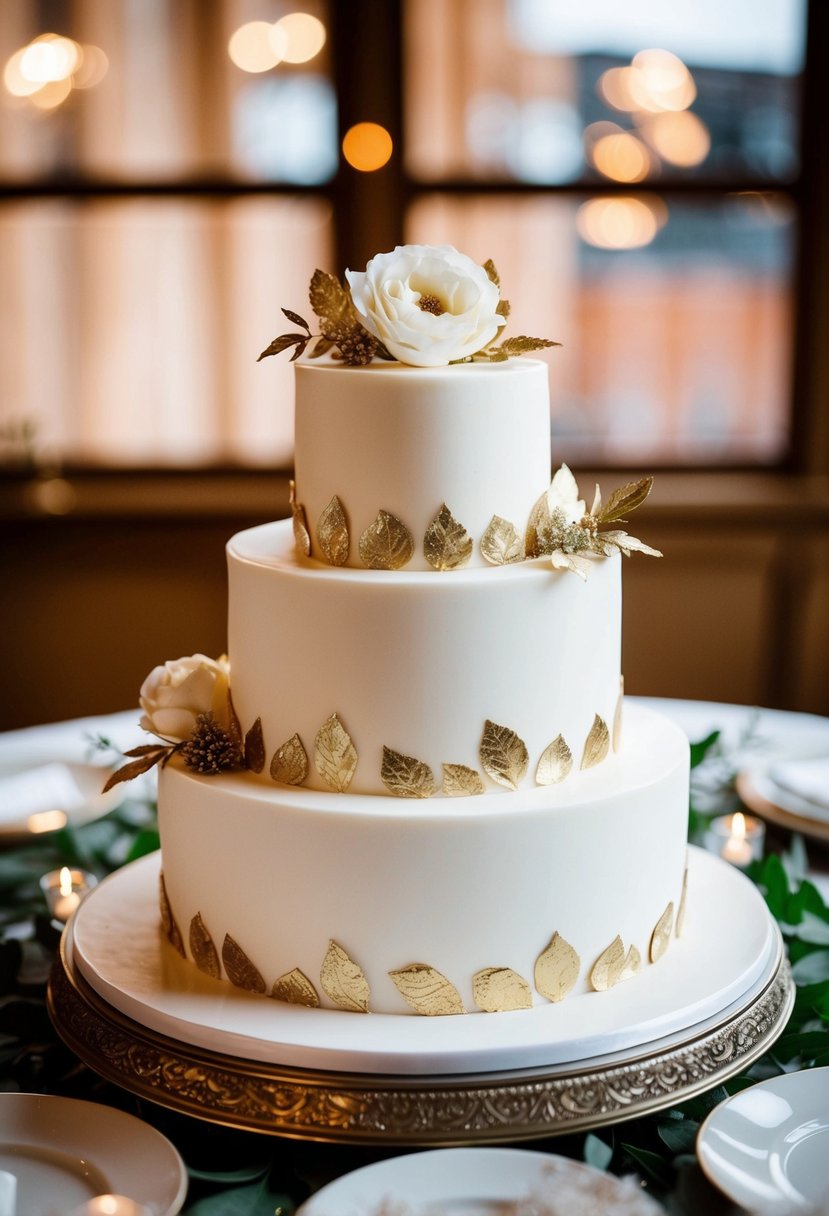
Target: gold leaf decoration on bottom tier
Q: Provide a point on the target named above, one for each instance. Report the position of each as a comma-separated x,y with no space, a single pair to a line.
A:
386,544
168,921
661,937
332,533
680,913
289,765
447,545
555,763
335,756
597,744
342,980
238,967
500,989
458,780
556,969
617,716
632,964
501,544
302,537
504,756
607,969
295,988
427,991
205,955
255,748
406,777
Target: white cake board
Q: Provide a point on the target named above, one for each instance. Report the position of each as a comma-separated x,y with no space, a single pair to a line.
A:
729,949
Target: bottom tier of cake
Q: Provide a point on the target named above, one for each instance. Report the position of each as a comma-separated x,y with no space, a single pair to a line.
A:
381,904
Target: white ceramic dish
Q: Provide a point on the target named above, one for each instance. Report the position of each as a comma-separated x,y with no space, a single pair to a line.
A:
767,1148
45,797
479,1182
64,1152
762,795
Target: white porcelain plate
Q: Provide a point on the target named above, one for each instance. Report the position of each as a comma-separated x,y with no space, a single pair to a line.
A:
771,802
767,1148
45,797
479,1182
64,1152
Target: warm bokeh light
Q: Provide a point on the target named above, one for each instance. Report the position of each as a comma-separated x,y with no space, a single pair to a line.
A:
14,80
615,89
621,157
50,96
367,146
255,47
93,68
681,139
298,37
619,223
659,80
49,58
47,821
47,70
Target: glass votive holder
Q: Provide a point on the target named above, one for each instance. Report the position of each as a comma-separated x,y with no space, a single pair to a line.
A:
63,891
737,838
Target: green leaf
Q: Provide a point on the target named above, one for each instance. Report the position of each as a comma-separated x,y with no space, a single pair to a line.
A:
678,1135
812,968
812,929
147,841
700,750
795,859
804,1044
246,1173
775,885
650,1164
596,1152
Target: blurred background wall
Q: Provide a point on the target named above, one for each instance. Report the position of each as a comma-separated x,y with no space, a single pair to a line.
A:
647,179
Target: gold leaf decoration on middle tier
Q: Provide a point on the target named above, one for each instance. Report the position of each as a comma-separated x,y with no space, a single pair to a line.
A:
597,744
386,544
289,765
302,537
406,777
555,763
607,969
295,988
427,991
504,756
459,780
556,969
632,964
342,980
447,545
335,756
500,989
255,748
501,544
332,533
661,936
205,955
238,967
168,921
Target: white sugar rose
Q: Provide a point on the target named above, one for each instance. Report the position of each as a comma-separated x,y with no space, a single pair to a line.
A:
174,694
428,304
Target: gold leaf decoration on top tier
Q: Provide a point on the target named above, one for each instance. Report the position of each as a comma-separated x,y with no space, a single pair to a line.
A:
597,744
332,533
556,969
504,756
447,545
661,937
617,716
458,781
632,964
238,967
335,756
427,991
205,955
255,748
555,763
289,764
386,544
500,989
168,921
607,968
406,777
295,989
302,537
501,544
680,913
343,981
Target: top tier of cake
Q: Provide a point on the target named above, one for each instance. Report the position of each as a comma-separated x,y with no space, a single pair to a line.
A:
407,440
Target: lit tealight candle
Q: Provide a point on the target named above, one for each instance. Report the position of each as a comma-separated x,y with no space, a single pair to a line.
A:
737,838
64,889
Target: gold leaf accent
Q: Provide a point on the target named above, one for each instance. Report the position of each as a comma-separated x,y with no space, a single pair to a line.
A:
680,914
538,521
504,756
386,544
607,969
625,499
459,780
556,969
500,544
332,303
427,991
661,936
555,763
406,777
302,537
597,744
255,748
335,756
500,989
168,921
617,716
632,963
289,765
447,545
332,533
234,725
492,273
205,955
343,981
520,345
238,967
295,989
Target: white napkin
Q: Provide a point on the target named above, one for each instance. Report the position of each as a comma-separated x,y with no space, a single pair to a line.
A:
49,787
807,779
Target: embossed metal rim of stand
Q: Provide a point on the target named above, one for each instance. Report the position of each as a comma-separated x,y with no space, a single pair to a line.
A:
360,1109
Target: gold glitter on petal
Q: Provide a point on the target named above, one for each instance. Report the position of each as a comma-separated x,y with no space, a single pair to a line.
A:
458,780
661,937
302,537
406,777
632,963
504,756
500,989
335,757
205,955
289,765
680,914
386,544
447,545
617,717
607,968
343,981
539,519
555,763
295,989
597,744
238,967
255,748
168,921
556,969
427,991
500,544
332,533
